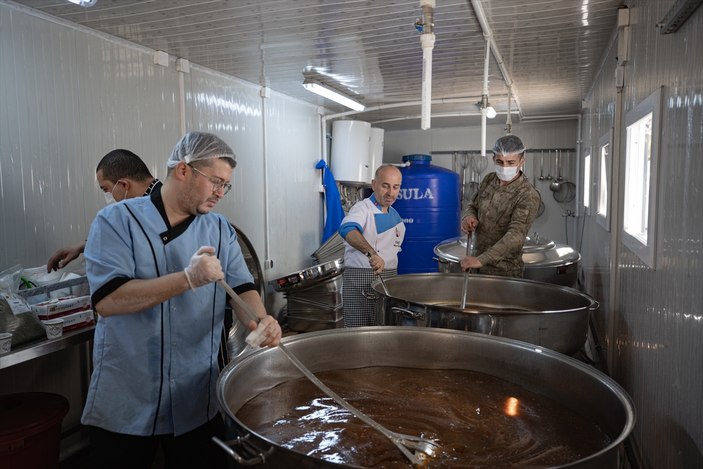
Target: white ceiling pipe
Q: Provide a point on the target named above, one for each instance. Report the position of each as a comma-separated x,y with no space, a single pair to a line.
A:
427,40
403,104
487,32
324,119
484,98
508,120
436,116
485,68
555,117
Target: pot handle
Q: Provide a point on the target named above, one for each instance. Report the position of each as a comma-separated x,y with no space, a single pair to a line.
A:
593,306
408,314
260,457
440,260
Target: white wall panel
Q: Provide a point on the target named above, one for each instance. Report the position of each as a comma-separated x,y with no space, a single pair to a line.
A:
295,203
69,97
595,240
656,343
232,110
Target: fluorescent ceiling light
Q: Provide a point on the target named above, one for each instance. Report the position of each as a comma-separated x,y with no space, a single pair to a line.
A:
318,88
84,3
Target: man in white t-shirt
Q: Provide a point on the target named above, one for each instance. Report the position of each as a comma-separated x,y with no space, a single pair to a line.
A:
374,232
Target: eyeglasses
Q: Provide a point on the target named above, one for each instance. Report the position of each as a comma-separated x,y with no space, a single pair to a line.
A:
217,183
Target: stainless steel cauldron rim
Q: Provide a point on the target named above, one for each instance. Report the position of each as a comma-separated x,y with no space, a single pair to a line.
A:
592,303
452,250
410,334
550,264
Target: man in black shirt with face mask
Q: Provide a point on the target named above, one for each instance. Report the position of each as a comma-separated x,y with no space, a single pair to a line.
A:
121,175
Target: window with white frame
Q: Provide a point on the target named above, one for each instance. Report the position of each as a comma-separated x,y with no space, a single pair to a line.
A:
641,164
604,180
586,183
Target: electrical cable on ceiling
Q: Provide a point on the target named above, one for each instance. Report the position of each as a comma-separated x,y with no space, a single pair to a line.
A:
677,15
508,120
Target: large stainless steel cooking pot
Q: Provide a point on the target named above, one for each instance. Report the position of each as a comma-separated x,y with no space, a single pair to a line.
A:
573,384
544,314
545,260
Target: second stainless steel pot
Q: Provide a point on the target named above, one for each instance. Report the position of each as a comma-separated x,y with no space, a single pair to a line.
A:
543,314
545,260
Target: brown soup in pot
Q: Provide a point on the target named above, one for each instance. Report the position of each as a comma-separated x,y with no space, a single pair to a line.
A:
476,419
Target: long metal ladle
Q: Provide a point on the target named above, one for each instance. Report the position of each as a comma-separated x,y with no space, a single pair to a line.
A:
423,447
383,284
465,289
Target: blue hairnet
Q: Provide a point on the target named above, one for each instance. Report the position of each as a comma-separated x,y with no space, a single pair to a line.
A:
197,146
508,145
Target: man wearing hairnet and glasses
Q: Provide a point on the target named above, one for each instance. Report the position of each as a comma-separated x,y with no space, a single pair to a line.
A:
153,264
501,213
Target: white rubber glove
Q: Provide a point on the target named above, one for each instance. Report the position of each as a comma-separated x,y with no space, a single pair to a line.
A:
203,268
257,336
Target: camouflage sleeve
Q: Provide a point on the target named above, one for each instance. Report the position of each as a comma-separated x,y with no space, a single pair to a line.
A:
472,209
524,213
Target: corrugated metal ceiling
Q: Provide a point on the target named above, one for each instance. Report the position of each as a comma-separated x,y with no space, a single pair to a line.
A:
549,48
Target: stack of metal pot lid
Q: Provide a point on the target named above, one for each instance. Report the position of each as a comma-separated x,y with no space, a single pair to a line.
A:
314,297
330,250
310,276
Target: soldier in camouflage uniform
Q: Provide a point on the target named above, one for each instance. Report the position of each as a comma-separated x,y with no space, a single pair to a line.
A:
501,213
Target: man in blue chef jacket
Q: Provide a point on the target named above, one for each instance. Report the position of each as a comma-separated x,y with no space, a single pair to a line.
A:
152,264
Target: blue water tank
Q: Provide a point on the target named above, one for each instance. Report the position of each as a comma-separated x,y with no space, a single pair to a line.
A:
429,203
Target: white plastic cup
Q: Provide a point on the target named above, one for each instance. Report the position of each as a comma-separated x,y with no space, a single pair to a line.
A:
5,342
54,328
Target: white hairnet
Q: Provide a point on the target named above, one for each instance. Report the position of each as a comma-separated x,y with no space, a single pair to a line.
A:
197,146
508,145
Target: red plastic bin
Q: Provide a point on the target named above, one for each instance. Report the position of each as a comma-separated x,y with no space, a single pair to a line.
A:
30,430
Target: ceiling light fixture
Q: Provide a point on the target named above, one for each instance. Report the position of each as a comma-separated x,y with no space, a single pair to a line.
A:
326,91
84,3
484,104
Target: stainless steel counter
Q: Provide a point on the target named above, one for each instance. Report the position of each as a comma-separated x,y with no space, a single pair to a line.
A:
43,347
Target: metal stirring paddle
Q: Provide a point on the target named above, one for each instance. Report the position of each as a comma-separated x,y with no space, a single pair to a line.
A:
465,289
383,284
423,447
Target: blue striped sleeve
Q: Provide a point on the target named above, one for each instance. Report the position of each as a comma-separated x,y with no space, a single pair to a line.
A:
345,228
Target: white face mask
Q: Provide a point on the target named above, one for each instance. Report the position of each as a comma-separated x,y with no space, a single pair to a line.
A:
506,173
109,196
